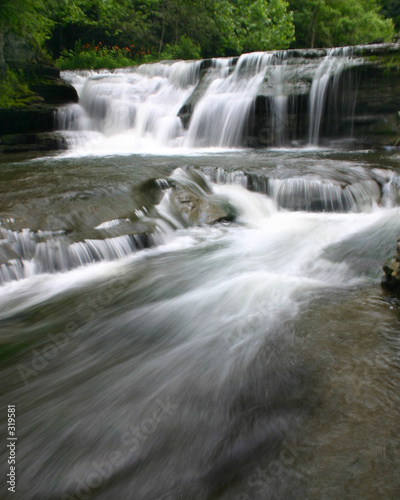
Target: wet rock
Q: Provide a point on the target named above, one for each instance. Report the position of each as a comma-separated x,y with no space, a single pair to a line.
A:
54,91
7,254
186,111
197,210
33,113
35,118
3,66
391,268
22,143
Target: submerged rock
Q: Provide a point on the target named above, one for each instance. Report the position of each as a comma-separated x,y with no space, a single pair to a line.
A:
391,268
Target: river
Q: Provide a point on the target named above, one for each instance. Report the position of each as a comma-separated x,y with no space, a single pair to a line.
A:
254,357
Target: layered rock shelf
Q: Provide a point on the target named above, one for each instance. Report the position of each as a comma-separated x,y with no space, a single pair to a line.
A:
28,125
361,101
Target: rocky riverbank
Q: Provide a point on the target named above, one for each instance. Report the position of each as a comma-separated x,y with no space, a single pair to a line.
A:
27,124
391,279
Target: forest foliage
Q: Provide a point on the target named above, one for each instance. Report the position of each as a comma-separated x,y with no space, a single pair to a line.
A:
106,33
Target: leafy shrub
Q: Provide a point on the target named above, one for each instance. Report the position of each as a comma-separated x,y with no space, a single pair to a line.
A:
91,56
184,49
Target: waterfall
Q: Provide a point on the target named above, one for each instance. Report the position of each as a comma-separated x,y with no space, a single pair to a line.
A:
275,99
25,253
221,115
330,66
142,102
40,252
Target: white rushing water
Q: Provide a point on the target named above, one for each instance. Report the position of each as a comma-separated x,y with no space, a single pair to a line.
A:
178,324
330,67
223,322
220,117
140,109
129,110
283,211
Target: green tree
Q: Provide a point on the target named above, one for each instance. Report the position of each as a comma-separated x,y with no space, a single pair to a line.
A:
391,10
332,23
217,27
26,18
264,25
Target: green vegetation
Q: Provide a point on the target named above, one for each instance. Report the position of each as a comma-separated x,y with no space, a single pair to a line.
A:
391,63
207,28
199,28
331,23
27,18
111,33
14,90
391,10
193,28
98,56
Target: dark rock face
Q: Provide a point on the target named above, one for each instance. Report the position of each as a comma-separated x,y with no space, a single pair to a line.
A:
391,279
3,67
21,126
266,123
375,120
17,51
35,118
24,143
54,91
361,102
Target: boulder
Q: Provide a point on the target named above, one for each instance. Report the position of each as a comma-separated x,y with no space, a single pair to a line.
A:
198,211
391,268
198,208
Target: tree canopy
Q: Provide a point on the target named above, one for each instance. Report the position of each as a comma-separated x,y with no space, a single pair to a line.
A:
330,23
198,28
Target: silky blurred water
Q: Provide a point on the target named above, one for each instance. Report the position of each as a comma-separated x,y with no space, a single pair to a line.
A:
251,359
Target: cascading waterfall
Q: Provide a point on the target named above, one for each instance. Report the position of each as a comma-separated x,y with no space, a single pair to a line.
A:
278,119
210,318
331,66
141,103
38,253
26,253
220,117
142,108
